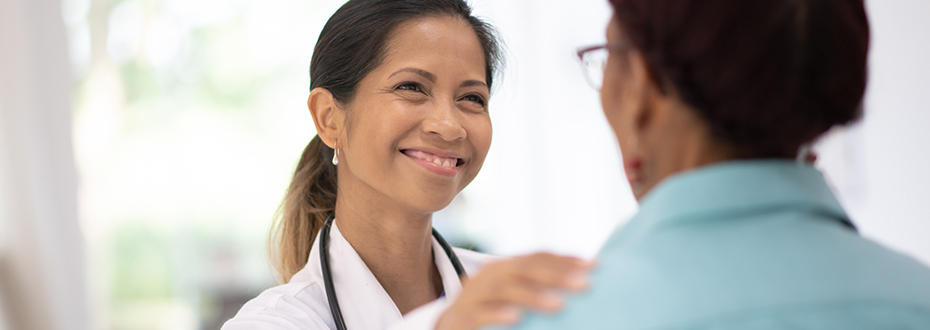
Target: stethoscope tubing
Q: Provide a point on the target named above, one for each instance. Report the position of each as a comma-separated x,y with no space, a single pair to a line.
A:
328,277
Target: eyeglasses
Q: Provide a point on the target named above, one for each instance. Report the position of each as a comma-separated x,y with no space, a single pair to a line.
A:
594,61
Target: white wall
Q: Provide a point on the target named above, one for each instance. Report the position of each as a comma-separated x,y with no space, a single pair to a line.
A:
882,166
553,177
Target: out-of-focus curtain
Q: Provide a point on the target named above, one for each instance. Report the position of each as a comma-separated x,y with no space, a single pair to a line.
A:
42,280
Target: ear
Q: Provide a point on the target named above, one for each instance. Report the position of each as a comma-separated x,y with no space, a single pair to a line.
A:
327,116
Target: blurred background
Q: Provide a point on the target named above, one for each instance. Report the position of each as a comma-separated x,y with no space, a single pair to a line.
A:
146,144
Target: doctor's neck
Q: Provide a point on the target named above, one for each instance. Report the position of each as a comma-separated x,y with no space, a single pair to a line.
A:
393,241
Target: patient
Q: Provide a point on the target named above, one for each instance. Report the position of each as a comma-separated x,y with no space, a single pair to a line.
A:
710,101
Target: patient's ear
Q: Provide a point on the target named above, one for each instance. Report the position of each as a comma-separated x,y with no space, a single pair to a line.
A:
328,117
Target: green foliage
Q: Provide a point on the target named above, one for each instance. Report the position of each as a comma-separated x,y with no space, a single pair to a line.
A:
141,261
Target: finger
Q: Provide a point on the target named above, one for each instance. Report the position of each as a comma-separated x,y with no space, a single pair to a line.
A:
479,316
500,314
557,262
554,271
524,294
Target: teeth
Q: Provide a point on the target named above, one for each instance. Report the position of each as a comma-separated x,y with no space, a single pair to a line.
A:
444,162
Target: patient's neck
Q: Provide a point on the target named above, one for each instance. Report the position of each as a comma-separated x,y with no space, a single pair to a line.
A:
395,244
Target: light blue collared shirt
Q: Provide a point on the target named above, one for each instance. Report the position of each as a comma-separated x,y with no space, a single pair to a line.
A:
746,245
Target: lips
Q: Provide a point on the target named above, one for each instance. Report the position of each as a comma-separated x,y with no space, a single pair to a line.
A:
428,157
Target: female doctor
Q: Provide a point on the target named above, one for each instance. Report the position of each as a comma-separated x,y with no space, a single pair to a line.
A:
399,96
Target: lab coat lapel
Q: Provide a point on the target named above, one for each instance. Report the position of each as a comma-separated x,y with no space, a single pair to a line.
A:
451,283
363,301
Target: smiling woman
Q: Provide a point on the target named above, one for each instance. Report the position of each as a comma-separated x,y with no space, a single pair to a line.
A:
418,129
399,98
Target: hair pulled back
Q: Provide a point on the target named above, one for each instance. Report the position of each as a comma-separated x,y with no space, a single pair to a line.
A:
352,43
767,75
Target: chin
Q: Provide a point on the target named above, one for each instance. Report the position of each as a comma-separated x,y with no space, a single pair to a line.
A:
431,203
640,190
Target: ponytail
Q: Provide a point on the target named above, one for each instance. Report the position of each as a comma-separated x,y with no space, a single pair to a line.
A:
310,199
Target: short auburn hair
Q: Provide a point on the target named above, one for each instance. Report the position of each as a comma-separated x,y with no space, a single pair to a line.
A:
767,75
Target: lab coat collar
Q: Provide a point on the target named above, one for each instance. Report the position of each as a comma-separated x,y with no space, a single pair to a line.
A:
363,301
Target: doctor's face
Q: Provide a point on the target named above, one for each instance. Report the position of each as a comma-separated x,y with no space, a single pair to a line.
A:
418,129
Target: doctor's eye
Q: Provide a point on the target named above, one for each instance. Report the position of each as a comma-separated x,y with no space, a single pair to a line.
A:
410,86
474,98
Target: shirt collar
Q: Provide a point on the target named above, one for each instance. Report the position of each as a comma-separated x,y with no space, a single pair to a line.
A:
363,301
734,188
451,283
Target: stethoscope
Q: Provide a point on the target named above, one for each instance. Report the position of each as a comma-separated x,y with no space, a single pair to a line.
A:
328,276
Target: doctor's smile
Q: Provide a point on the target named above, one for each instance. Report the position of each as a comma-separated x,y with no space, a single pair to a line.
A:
436,161
710,103
399,96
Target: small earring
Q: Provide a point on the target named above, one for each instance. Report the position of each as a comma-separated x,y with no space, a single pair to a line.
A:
335,154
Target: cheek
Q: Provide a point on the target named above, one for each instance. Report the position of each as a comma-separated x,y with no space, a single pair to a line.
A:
373,133
612,100
612,106
610,94
479,134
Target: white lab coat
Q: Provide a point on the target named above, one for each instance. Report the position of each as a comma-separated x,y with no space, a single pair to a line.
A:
302,303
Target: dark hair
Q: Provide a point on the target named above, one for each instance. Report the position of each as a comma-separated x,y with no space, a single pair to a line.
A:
352,43
767,75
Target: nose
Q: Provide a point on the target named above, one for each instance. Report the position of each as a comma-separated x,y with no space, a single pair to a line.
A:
444,121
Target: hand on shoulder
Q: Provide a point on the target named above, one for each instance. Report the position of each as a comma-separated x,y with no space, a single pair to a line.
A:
503,290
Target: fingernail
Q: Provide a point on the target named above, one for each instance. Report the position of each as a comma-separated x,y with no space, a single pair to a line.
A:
588,263
584,264
578,280
550,300
510,314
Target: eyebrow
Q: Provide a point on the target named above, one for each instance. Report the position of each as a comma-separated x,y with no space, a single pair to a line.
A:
470,83
432,78
426,74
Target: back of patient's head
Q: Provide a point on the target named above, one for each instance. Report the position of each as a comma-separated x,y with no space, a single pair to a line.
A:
766,75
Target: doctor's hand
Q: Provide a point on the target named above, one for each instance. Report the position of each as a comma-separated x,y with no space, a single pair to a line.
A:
503,290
